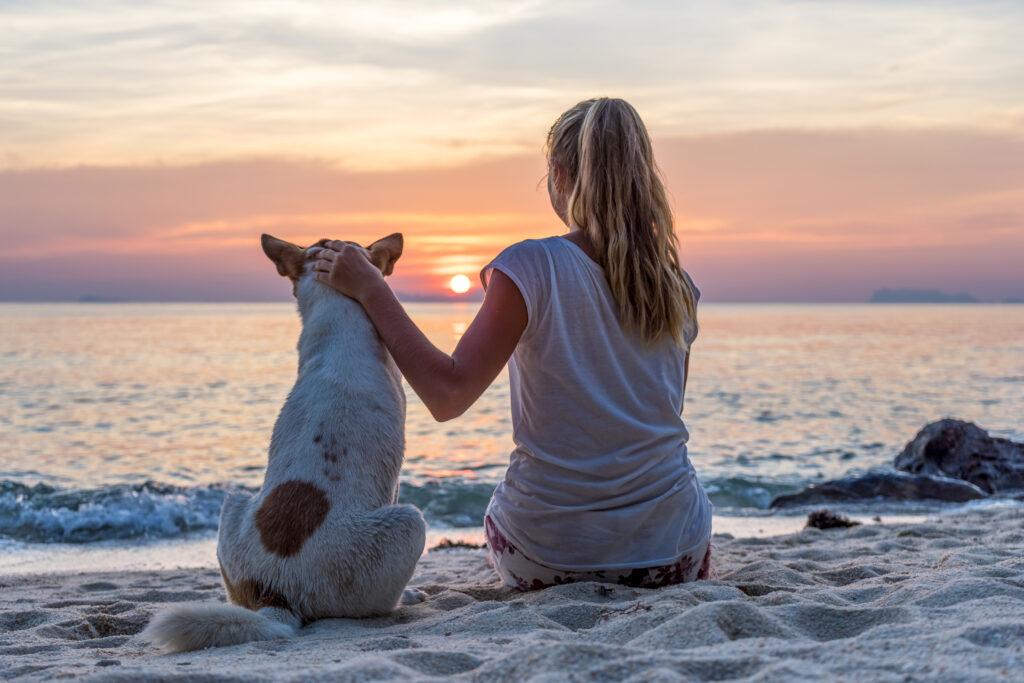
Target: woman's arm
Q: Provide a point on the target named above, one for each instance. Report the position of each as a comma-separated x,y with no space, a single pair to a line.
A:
447,385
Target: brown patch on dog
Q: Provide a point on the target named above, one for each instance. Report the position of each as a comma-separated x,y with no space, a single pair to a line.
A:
252,594
317,438
330,452
258,596
227,582
334,456
289,515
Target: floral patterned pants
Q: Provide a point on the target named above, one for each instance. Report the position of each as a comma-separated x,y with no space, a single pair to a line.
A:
520,572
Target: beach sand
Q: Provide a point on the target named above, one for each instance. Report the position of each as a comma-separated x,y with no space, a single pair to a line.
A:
942,599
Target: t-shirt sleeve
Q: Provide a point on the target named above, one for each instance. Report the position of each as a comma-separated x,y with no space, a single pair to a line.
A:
526,264
690,332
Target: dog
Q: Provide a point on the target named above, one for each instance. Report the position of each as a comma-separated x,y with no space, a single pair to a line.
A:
324,537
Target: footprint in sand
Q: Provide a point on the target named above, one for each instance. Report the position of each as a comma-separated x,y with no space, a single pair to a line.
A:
97,625
99,586
19,621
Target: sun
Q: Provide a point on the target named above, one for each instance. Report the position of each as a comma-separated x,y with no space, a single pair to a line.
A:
460,284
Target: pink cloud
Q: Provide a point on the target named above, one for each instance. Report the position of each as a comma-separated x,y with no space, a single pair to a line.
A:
781,215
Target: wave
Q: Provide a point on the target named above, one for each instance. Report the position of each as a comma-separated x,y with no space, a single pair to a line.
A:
49,514
745,494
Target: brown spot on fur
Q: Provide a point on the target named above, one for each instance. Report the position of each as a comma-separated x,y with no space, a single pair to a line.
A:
227,582
252,594
259,596
289,515
317,438
333,476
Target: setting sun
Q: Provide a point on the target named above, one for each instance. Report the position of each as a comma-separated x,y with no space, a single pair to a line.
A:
460,284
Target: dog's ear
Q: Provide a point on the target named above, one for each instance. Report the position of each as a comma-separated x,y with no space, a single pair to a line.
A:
289,258
385,251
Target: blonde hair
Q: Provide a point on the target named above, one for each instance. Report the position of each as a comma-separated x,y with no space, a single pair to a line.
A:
619,201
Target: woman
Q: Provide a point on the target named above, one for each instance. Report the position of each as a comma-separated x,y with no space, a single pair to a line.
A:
596,326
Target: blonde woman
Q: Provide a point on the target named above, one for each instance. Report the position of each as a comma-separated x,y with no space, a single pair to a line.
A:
596,326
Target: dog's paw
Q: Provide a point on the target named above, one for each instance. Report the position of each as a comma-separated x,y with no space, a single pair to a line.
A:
411,596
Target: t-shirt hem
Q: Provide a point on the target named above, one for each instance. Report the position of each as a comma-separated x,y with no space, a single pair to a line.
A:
532,557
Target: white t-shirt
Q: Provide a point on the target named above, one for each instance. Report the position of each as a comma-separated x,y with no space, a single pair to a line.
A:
599,478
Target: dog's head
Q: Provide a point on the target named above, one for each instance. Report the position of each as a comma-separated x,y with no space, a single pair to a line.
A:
293,261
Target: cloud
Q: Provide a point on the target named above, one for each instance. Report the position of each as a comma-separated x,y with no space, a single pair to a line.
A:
403,84
778,215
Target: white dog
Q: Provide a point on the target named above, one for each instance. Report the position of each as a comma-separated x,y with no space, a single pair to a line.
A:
323,537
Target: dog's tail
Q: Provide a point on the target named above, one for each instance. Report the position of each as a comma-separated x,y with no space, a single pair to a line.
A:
196,626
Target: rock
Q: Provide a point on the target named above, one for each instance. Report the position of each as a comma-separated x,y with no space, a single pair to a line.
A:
449,544
885,486
962,450
826,519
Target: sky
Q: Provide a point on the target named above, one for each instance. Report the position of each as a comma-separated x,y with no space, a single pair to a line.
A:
813,151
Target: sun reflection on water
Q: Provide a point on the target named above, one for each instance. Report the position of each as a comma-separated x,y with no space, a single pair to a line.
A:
188,394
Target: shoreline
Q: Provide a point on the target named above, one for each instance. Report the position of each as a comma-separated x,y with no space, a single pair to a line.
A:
942,599
198,550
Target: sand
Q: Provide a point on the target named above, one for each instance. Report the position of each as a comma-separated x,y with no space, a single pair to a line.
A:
942,599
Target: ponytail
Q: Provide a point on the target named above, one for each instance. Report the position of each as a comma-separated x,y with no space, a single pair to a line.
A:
619,201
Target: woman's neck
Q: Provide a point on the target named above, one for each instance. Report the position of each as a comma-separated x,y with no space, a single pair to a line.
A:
581,240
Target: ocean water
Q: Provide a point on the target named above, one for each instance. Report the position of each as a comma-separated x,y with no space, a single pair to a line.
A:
125,424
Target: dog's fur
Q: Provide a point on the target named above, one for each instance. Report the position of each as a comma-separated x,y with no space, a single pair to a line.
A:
323,537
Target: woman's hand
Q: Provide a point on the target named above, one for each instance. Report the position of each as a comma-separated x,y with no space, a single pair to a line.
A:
346,267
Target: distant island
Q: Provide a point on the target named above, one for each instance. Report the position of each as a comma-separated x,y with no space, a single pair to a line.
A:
93,299
919,296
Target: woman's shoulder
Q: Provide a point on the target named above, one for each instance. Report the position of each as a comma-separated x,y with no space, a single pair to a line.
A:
523,261
529,253
531,247
692,285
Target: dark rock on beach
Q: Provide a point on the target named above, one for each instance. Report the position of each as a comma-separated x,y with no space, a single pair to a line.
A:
826,519
962,450
449,544
882,486
948,460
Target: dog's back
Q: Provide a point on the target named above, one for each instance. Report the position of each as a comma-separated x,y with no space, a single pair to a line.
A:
323,537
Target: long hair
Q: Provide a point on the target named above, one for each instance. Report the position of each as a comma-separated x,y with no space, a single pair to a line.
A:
618,199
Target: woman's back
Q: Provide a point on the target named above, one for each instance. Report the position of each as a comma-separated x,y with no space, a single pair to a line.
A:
600,477
597,344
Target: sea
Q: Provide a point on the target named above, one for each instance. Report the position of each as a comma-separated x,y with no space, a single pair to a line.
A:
124,425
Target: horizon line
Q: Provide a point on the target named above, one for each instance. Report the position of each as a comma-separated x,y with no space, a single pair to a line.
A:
477,300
